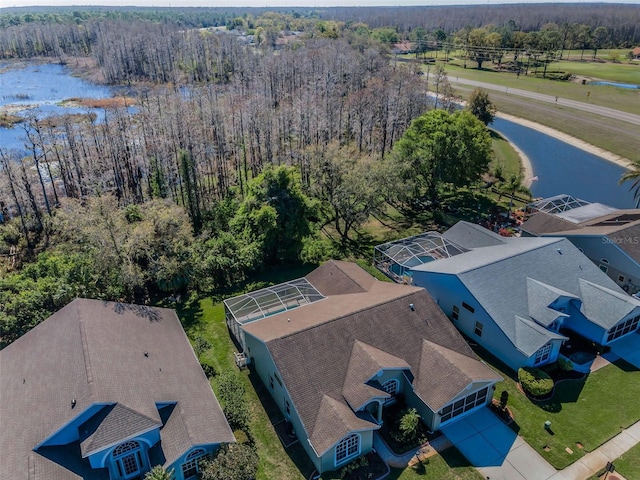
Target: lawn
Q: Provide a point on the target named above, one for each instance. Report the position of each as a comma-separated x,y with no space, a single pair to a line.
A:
504,156
583,413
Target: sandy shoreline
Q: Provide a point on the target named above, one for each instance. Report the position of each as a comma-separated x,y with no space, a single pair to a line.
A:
527,168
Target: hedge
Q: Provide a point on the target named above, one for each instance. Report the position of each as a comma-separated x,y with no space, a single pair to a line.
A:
535,382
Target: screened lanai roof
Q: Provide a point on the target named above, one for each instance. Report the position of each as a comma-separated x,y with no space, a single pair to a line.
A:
412,251
557,204
271,300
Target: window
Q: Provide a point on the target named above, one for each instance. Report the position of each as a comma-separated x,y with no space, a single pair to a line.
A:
456,312
287,407
604,260
543,354
348,447
464,405
620,278
391,387
604,268
191,466
128,459
468,307
271,382
478,329
623,328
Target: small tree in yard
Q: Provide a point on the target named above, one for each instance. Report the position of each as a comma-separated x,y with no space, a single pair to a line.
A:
409,424
232,462
231,392
159,473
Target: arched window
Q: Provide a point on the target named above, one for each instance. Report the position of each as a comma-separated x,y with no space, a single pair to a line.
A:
191,465
392,387
348,448
128,459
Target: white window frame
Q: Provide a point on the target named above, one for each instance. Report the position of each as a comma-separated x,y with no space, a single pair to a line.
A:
621,329
122,455
462,405
193,461
347,449
392,387
542,354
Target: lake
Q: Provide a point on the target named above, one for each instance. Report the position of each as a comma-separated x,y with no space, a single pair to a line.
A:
38,89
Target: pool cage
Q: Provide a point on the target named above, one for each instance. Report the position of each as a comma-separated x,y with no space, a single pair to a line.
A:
265,302
556,204
396,259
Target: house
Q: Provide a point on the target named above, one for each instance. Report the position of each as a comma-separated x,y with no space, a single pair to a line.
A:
403,48
337,347
521,298
610,237
105,391
635,53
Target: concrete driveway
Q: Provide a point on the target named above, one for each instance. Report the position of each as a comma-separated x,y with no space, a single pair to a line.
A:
495,449
482,438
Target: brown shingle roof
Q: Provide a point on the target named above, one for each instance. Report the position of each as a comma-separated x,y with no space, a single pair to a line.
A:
336,278
541,222
94,352
313,346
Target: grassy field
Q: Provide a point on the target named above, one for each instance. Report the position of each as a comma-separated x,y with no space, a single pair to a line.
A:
583,413
504,156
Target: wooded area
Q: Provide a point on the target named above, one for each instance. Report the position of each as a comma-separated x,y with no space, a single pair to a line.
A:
227,153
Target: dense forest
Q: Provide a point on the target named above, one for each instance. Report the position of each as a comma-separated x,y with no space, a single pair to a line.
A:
266,142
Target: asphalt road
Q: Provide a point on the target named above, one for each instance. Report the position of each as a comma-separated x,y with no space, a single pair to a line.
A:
586,107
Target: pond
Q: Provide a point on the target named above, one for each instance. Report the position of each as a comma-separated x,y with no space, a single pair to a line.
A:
563,168
28,89
614,84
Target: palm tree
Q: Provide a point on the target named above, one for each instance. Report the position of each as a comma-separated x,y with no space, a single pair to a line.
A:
634,175
511,187
159,473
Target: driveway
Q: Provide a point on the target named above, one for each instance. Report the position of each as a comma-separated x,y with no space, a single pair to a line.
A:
495,449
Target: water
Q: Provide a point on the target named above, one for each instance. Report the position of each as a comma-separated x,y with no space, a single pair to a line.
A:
38,89
562,168
614,84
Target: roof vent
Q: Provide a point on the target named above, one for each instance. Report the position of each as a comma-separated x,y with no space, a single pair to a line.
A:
412,307
73,403
146,354
560,251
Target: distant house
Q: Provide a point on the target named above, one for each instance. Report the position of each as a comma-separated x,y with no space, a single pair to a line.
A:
105,391
636,53
404,47
337,347
521,298
610,237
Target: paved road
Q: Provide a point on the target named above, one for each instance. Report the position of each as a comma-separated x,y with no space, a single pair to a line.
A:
586,107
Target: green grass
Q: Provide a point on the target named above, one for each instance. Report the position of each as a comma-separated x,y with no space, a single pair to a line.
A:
589,411
614,72
504,156
627,464
206,318
622,99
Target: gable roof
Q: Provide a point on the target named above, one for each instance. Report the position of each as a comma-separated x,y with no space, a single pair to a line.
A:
514,268
105,353
317,347
605,306
470,235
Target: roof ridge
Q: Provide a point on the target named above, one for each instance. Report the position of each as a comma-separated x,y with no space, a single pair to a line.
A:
355,312
498,260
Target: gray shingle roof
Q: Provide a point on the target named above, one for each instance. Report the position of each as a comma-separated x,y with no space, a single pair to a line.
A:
605,306
313,349
539,297
94,352
555,262
470,235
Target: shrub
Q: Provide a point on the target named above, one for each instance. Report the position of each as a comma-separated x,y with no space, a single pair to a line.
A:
231,393
564,364
353,466
232,462
535,382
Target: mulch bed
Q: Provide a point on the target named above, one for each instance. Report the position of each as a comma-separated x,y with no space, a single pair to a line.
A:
376,469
